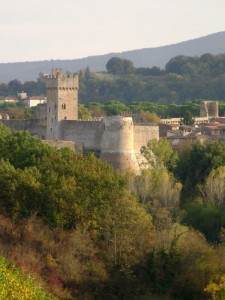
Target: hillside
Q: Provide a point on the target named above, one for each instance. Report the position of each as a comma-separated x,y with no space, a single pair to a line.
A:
148,57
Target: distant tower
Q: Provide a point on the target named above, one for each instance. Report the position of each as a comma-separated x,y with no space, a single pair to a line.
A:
209,109
62,100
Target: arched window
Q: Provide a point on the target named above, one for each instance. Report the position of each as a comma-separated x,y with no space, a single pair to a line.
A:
63,106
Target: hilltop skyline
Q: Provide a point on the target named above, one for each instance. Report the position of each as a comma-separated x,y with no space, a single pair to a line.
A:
32,30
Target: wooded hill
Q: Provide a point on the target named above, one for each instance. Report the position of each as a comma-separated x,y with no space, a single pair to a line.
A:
85,231
184,78
148,57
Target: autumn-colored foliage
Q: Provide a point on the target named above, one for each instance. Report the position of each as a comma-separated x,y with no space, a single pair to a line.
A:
83,231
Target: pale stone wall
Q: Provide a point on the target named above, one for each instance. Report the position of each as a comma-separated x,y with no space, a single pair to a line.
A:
32,126
118,140
117,146
117,134
86,132
176,121
40,114
142,134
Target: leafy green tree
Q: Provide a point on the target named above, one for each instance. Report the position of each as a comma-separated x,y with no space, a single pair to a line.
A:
196,163
214,187
14,87
21,149
83,112
187,119
160,154
119,66
205,217
14,285
115,107
96,109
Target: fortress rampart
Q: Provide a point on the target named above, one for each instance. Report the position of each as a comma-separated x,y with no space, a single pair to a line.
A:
116,138
86,132
32,126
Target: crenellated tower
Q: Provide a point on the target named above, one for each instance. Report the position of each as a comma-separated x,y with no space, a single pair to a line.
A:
62,100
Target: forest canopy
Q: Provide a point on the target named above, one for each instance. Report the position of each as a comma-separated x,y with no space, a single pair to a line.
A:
184,78
85,231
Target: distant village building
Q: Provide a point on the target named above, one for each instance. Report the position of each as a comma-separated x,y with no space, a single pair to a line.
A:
22,96
9,99
34,101
214,129
177,121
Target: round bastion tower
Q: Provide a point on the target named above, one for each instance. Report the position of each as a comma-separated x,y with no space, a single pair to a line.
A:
62,101
117,143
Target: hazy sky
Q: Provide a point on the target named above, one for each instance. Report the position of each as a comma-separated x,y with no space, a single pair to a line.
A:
68,29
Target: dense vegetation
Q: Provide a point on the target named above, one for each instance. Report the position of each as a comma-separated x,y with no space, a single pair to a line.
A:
123,88
84,231
184,78
16,286
186,110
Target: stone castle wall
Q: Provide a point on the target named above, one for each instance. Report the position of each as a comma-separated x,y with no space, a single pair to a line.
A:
116,139
104,135
142,134
87,132
32,126
117,147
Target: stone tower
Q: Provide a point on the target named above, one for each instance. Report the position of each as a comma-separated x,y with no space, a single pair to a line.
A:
62,101
117,147
209,109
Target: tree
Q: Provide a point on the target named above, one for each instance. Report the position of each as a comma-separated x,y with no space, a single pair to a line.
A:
150,117
14,285
214,187
14,87
160,154
83,112
119,66
187,119
196,163
115,107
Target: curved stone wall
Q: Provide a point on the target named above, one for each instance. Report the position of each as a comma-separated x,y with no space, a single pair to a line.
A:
118,143
117,135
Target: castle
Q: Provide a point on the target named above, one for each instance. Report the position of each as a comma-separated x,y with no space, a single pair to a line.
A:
117,140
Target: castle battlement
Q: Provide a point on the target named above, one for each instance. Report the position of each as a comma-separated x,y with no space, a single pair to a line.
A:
62,103
69,82
65,77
